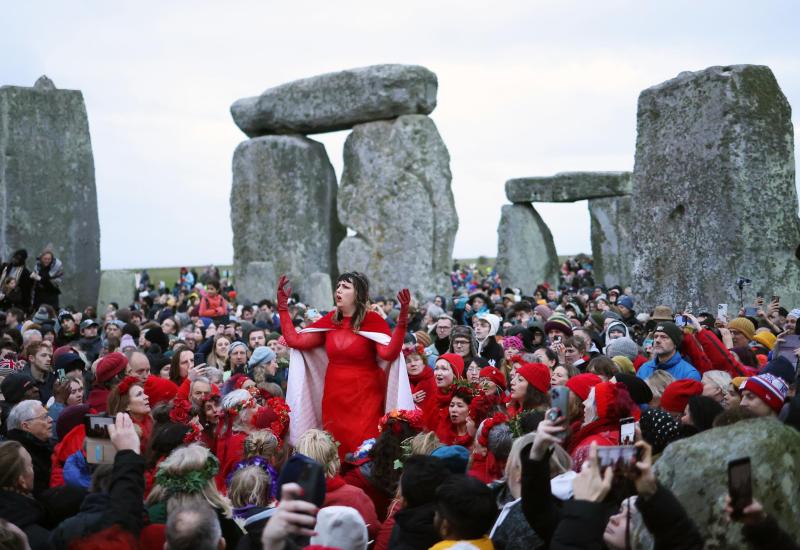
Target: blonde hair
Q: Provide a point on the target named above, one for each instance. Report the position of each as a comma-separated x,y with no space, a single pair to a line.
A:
261,443
320,446
182,461
560,461
424,443
659,381
250,486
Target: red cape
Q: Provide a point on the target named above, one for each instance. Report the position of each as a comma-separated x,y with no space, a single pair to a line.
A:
372,323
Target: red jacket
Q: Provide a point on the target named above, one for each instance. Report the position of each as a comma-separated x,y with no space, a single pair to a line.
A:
340,493
693,352
720,357
213,307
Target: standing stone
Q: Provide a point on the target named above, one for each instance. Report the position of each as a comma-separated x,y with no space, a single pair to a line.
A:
526,254
47,187
338,101
319,292
283,213
395,194
117,286
695,470
714,186
612,239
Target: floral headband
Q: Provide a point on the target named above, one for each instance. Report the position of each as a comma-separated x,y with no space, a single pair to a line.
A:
124,387
262,463
411,417
180,411
191,482
194,435
419,349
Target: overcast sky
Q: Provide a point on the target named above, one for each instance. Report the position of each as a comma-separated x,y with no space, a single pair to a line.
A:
526,88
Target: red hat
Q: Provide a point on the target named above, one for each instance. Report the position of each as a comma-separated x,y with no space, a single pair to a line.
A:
676,395
493,374
159,390
537,374
456,362
110,366
613,401
582,384
772,390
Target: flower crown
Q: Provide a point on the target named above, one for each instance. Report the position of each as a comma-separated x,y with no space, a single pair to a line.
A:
419,349
411,417
191,482
125,386
180,410
462,387
194,435
262,463
488,424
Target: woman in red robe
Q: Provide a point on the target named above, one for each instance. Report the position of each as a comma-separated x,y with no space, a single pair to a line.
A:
354,395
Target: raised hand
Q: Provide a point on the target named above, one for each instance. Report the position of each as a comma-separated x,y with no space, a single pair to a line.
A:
404,299
284,291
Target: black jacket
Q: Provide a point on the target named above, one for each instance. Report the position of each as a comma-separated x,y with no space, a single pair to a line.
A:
768,535
539,506
40,452
27,514
492,351
413,528
89,520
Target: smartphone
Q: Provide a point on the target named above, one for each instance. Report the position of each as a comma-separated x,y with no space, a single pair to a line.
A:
559,407
627,431
557,340
308,474
740,484
619,457
750,311
680,320
776,298
99,449
722,312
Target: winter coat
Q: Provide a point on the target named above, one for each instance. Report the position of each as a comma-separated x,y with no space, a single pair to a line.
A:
676,366
492,351
76,470
542,510
91,347
514,532
255,519
26,513
413,528
339,493
88,520
40,454
47,290
768,535
45,387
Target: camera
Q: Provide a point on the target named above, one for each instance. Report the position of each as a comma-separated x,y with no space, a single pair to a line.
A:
742,282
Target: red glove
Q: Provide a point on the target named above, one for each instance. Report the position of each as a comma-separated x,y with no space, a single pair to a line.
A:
404,299
284,291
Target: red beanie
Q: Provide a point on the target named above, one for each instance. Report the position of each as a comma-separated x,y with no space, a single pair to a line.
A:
159,390
493,374
676,395
456,362
614,402
537,374
582,384
110,366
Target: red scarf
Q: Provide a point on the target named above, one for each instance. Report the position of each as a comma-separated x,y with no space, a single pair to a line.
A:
426,374
592,428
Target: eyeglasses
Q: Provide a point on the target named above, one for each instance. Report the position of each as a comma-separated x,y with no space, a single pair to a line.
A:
42,416
460,343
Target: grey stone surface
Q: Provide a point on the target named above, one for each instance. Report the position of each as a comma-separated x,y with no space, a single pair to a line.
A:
695,470
714,186
526,255
612,239
116,285
395,194
319,291
338,101
283,213
47,186
255,281
569,187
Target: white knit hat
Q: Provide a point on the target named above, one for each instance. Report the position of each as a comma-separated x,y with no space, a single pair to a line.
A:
340,527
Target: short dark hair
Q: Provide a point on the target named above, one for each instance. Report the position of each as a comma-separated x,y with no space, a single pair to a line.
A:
521,306
467,505
193,528
422,475
16,312
213,283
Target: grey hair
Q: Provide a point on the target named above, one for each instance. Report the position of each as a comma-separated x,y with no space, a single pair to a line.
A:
214,374
193,528
434,311
28,334
22,412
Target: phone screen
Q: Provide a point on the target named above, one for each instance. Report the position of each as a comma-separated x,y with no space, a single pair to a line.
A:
680,320
740,484
750,311
722,311
627,431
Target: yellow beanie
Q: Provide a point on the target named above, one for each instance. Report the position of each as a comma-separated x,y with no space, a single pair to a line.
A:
743,325
766,339
738,381
625,365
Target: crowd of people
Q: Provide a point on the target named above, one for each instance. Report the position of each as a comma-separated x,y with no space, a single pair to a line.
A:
491,418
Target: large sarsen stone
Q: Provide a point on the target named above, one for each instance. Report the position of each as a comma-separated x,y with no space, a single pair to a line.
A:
612,240
695,470
569,187
338,101
47,186
283,213
395,194
526,254
714,188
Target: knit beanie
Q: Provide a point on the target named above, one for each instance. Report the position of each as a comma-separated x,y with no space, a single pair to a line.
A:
624,346
672,330
782,368
582,384
658,429
770,389
536,374
624,364
766,339
677,394
110,366
543,311
235,345
513,342
156,336
613,401
340,527
423,338
638,389
70,418
456,362
454,458
743,325
493,374
261,355
560,323
597,319
626,301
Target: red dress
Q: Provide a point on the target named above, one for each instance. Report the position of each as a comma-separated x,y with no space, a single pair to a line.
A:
355,386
